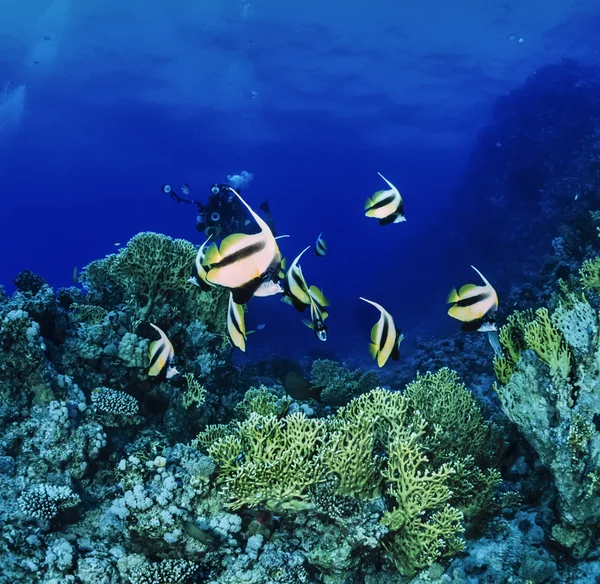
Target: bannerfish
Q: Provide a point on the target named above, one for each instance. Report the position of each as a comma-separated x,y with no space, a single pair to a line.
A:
317,314
236,327
161,353
385,338
320,246
386,205
300,389
201,270
475,306
244,263
185,189
295,288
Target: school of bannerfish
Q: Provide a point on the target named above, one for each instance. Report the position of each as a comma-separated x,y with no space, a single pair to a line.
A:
252,265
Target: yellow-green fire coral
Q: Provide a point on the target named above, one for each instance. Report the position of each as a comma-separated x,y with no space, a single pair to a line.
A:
416,449
551,391
153,272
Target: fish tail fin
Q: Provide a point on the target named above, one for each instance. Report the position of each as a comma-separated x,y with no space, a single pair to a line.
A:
453,296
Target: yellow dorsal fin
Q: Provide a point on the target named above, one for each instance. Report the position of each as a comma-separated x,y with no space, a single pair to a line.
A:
464,290
318,295
212,255
231,241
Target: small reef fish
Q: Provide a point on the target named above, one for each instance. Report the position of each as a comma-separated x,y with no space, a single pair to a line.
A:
385,338
317,313
236,327
161,353
201,270
295,288
475,306
386,205
320,246
116,243
300,389
185,189
245,263
75,275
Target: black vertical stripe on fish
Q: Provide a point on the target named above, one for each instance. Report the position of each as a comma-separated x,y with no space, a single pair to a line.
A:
396,350
239,255
389,219
243,294
234,320
158,351
472,300
473,325
382,202
385,331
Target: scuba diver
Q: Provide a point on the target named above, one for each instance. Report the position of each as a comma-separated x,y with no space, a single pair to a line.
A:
222,214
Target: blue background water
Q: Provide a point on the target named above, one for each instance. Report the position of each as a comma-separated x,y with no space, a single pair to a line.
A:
104,101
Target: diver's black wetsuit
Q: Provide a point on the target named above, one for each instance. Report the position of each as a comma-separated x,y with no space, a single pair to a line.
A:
224,214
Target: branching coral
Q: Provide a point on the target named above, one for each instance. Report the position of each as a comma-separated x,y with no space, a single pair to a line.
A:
425,527
271,462
380,443
553,396
153,271
45,501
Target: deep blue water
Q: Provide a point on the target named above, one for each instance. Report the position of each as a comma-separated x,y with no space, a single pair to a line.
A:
104,103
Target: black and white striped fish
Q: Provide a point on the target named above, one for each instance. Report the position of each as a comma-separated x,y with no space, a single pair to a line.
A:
320,246
475,306
161,353
236,326
317,313
246,264
386,205
295,288
201,270
385,338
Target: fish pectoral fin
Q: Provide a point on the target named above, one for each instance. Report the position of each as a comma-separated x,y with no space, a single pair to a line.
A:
369,203
373,350
308,323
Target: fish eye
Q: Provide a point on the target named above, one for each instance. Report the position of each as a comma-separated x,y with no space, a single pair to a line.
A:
215,216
